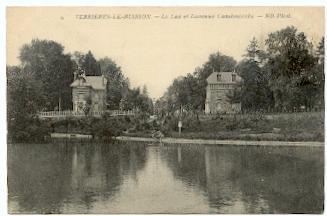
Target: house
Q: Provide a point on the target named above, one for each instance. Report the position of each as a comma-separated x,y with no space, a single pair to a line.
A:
89,91
219,84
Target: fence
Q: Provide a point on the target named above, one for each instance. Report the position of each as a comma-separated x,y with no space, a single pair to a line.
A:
68,113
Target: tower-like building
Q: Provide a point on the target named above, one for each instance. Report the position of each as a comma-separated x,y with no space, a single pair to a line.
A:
89,90
219,85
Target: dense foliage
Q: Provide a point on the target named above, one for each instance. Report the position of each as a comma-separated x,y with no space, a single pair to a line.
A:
284,75
47,65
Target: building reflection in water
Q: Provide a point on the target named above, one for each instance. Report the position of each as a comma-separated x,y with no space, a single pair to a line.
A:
98,172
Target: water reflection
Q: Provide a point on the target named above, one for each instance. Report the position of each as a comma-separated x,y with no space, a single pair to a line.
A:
141,178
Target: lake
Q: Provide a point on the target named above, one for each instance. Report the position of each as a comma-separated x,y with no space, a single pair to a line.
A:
151,178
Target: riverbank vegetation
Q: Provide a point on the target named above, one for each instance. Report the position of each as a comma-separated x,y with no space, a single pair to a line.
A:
306,126
102,128
283,127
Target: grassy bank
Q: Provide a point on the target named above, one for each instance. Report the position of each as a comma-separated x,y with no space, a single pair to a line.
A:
256,126
286,127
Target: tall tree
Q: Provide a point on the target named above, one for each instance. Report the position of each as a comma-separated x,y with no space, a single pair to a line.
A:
25,97
255,93
318,74
46,62
90,65
117,85
136,100
86,63
321,51
290,64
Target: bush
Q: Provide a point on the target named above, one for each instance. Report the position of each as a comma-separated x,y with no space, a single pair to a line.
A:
28,129
107,127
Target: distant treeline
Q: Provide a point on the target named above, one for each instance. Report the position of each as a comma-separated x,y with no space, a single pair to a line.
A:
285,74
42,82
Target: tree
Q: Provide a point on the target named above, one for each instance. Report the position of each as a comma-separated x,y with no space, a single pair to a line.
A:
134,99
87,63
321,51
289,65
318,75
252,51
218,62
254,92
117,84
90,65
24,98
45,61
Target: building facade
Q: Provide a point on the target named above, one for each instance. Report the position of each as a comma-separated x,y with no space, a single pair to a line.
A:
89,91
219,84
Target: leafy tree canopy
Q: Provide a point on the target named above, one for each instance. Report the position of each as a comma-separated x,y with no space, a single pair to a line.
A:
87,63
45,61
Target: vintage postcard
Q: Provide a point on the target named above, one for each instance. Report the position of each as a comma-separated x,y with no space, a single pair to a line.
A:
165,110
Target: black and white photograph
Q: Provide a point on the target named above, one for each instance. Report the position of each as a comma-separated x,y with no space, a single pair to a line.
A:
175,110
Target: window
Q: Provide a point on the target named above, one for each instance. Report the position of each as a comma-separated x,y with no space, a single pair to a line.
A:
218,77
233,77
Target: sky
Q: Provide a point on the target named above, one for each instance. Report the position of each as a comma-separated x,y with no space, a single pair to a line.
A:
166,43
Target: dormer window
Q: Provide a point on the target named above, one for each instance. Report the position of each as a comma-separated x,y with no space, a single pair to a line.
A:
233,77
218,77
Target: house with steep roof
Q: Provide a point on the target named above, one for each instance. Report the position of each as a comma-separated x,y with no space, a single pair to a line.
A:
219,84
89,91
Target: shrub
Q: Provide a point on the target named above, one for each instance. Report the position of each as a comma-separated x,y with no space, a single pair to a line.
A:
28,129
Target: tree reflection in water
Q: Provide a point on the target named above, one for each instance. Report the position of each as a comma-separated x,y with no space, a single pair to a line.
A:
253,179
135,177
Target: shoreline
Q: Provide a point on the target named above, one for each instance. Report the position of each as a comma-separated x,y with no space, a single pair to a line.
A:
170,140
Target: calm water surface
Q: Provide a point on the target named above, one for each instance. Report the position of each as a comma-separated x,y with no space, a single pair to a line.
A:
143,178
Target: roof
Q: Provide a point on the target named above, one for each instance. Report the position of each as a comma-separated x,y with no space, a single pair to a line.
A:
96,82
226,77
